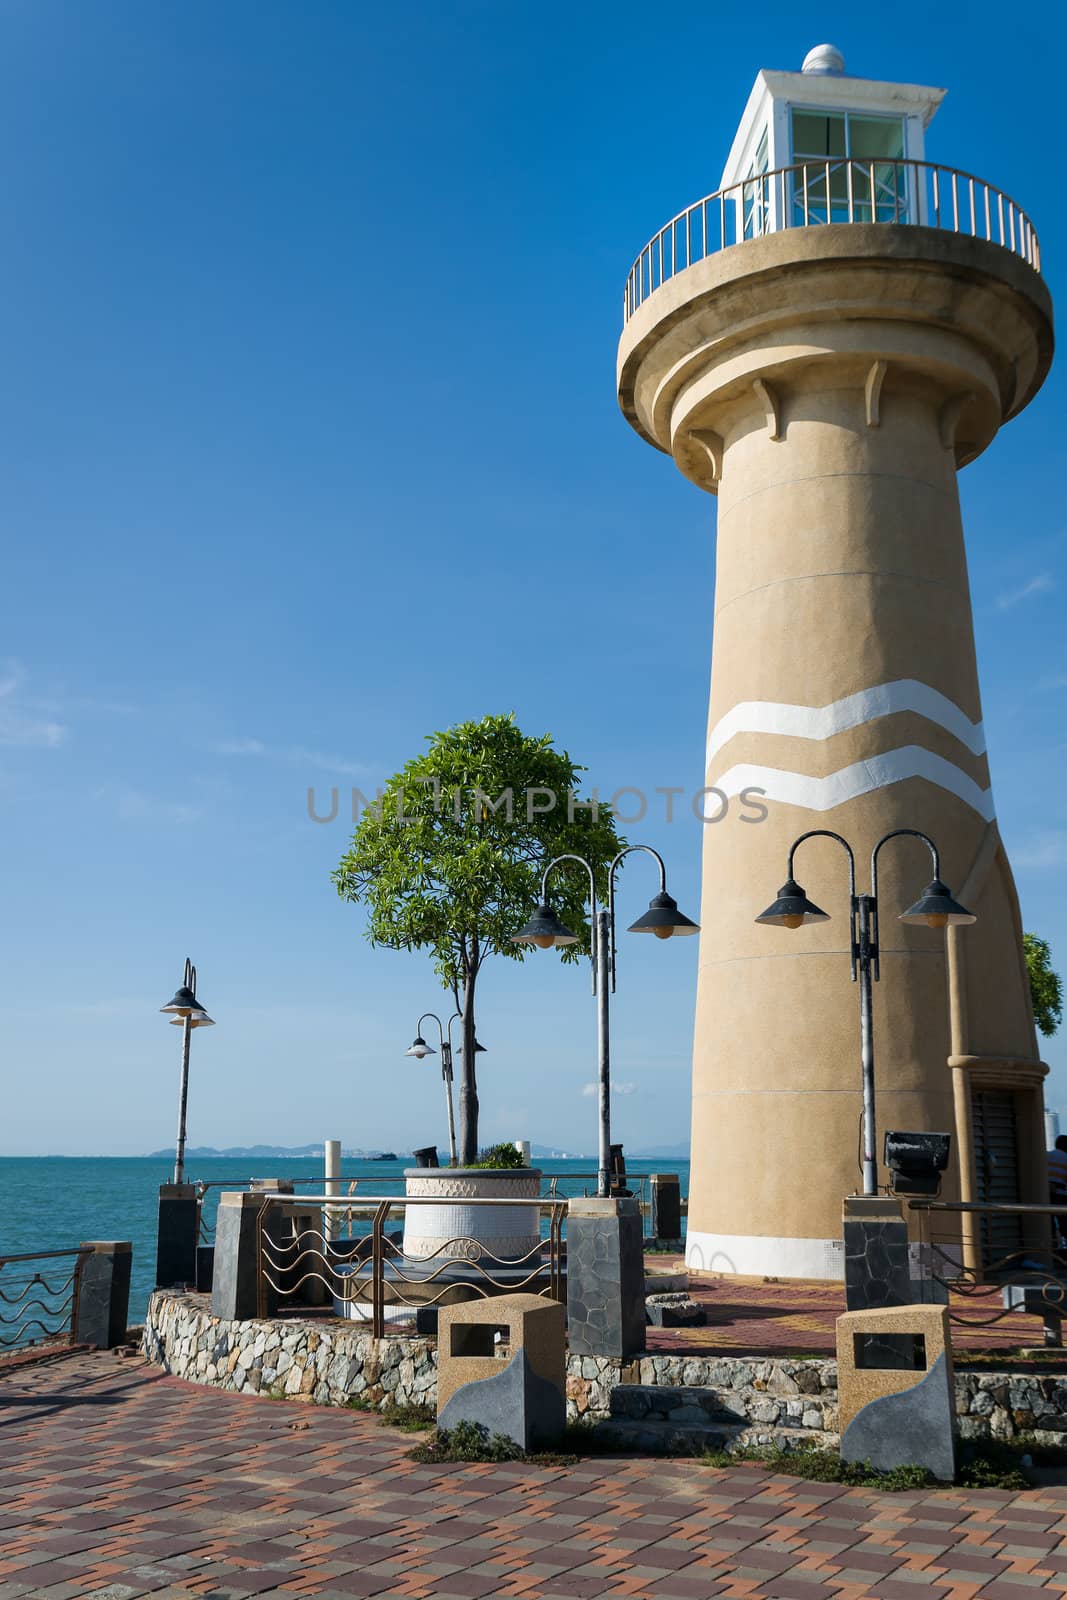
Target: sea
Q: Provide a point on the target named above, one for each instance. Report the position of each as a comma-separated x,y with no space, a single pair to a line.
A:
56,1202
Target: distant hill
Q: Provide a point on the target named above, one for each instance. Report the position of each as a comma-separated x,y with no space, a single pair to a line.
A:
649,1152
315,1152
262,1152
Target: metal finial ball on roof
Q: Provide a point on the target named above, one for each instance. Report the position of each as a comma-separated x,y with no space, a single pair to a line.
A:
825,58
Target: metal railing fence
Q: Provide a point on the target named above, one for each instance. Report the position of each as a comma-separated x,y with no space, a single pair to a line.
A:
39,1303
839,190
1022,1266
206,1224
369,1274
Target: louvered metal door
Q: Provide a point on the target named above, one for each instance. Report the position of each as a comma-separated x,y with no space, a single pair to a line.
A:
996,1156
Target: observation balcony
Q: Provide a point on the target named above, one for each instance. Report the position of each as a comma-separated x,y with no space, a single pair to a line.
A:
840,190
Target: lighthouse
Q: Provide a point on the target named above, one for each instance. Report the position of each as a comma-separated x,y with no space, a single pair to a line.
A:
822,344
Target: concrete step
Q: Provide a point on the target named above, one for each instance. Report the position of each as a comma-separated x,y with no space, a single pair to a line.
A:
682,1419
664,1436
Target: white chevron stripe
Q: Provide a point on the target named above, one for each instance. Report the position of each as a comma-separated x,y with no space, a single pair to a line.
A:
821,722
822,794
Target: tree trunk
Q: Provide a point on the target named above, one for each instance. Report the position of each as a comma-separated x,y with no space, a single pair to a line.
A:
468,1090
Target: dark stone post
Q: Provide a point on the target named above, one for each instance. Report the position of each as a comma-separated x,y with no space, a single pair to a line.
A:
665,1194
178,1236
234,1295
877,1273
103,1305
605,1277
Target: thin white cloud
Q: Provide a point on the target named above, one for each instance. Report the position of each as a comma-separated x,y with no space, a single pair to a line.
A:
1058,680
18,724
136,805
1045,848
1013,597
239,747
293,756
589,1090
315,758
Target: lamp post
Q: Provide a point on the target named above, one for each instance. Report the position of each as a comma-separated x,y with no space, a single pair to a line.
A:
186,1013
544,929
420,1049
935,908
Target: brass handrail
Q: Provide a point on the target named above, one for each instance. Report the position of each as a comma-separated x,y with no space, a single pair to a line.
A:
311,1245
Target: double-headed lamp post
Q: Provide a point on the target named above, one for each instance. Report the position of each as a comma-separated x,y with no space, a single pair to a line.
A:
185,1013
420,1049
544,929
935,908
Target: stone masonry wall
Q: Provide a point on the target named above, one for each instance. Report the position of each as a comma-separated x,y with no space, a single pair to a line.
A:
330,1362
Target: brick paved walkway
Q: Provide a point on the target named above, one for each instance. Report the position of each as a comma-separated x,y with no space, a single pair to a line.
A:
757,1317
116,1481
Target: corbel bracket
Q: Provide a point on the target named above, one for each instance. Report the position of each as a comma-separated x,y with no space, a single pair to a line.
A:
711,443
951,412
872,392
769,401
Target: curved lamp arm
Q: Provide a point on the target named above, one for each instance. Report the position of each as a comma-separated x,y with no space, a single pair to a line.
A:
828,833
910,833
897,833
645,849
582,862
433,1017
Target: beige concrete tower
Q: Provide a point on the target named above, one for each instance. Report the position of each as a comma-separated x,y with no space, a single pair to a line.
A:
821,345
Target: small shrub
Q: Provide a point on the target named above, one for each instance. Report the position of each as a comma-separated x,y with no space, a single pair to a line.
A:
467,1441
500,1155
409,1418
413,1418
984,1464
823,1466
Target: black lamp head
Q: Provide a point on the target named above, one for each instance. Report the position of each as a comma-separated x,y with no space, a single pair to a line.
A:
792,909
183,1004
544,929
663,919
936,908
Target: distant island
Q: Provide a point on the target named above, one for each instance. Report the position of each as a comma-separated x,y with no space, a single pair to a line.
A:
261,1152
316,1152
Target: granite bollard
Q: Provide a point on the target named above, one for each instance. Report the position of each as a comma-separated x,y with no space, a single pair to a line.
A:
178,1235
605,1277
104,1294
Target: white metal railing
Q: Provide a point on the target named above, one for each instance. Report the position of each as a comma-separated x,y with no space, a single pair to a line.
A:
839,190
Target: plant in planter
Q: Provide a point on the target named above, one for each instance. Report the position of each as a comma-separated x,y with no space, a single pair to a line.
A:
449,861
500,1157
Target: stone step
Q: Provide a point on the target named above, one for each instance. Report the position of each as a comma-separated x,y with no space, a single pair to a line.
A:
678,1406
662,1436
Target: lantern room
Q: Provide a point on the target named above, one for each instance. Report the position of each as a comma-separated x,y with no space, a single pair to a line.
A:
852,146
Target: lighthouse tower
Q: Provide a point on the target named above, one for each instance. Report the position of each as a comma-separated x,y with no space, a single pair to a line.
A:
822,344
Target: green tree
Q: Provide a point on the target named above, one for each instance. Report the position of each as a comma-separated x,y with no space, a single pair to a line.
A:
1046,986
450,857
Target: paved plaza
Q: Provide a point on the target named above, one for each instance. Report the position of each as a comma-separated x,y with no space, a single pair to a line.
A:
763,1317
116,1481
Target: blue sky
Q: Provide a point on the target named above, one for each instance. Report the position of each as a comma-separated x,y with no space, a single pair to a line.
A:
309,445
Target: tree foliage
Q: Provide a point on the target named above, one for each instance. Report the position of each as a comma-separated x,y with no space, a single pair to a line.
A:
450,858
1046,985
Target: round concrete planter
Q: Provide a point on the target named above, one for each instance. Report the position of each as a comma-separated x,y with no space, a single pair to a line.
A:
459,1229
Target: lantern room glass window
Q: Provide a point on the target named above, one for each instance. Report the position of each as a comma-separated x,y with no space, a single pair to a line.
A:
851,167
756,193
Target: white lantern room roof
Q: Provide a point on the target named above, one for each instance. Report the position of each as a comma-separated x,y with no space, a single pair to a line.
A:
823,82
